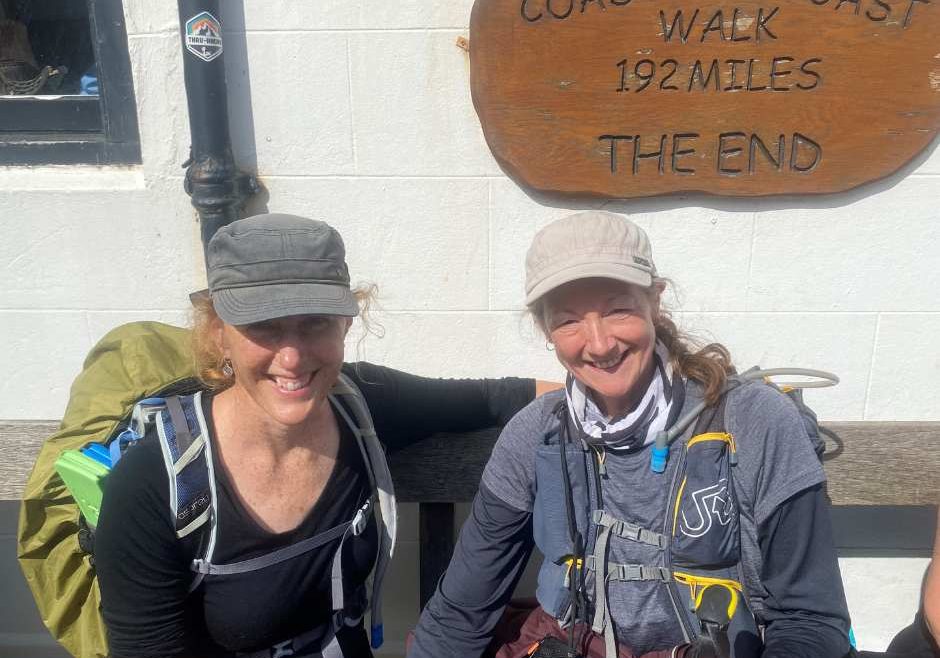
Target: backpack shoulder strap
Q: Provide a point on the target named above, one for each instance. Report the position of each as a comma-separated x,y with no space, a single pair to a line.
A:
187,457
351,405
712,418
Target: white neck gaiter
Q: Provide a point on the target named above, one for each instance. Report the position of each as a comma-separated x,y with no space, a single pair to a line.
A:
656,411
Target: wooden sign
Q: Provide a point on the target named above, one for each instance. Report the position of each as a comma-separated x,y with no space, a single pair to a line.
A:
631,98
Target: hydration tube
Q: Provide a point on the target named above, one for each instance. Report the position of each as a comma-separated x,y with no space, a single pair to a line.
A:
665,438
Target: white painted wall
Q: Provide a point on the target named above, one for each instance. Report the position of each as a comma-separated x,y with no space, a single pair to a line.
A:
359,113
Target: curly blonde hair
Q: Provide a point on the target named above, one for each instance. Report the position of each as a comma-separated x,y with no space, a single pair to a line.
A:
207,354
707,363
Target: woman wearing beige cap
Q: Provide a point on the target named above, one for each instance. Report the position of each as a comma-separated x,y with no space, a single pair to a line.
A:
279,503
721,545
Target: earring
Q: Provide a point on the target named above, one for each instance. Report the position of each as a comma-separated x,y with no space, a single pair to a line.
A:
550,346
227,368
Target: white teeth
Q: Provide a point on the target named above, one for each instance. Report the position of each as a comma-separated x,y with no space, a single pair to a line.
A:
291,384
603,365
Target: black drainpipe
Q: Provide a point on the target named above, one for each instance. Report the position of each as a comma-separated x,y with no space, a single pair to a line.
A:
217,188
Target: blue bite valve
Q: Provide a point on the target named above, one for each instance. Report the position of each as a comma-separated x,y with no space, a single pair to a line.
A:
658,458
378,636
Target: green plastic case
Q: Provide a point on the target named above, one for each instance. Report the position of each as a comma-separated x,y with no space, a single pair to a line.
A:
84,478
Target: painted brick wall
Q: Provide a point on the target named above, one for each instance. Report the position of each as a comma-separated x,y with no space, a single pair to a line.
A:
358,112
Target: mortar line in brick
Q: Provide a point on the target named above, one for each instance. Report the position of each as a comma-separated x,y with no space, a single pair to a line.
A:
88,338
459,311
494,309
750,262
336,30
88,311
784,313
491,277
717,314
352,109
346,177
871,368
154,35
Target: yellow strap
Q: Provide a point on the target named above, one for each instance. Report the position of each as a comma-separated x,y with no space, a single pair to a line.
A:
732,604
704,582
572,562
710,436
675,513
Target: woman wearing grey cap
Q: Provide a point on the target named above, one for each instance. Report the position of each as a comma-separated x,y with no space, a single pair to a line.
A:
272,538
721,545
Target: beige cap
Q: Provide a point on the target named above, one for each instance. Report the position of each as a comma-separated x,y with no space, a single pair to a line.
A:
588,244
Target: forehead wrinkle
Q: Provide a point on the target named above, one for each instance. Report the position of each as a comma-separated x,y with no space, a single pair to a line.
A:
628,293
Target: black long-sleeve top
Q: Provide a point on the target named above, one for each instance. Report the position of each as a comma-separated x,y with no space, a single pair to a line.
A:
143,569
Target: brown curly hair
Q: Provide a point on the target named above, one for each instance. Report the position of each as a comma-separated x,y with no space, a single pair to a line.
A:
208,357
709,364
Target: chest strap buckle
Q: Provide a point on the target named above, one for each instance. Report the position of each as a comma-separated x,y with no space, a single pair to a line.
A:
630,531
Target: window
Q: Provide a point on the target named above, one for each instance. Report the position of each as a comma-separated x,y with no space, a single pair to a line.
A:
66,95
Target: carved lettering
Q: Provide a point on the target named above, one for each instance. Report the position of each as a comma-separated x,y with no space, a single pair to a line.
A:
877,11
757,143
804,67
613,139
638,155
733,75
908,15
562,16
762,22
856,3
840,105
533,11
776,73
527,16
678,152
801,146
718,75
704,81
725,152
736,153
677,21
715,24
882,15
735,37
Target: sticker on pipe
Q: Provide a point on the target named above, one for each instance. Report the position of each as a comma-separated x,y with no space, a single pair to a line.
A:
633,98
204,36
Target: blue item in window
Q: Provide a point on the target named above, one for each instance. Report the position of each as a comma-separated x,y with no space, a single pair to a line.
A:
89,84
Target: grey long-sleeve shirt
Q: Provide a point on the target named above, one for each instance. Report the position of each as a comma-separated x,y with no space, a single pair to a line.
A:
788,554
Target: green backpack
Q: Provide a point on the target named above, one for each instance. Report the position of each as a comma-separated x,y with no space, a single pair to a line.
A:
132,362
122,376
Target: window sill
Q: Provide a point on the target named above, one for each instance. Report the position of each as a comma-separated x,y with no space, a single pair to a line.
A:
65,149
66,178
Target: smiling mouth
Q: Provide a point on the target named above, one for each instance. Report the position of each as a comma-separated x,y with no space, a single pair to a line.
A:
610,364
290,384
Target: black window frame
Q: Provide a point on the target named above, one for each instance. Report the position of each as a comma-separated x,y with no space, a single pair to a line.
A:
94,130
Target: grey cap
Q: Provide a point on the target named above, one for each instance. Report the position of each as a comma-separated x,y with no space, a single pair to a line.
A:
586,245
271,266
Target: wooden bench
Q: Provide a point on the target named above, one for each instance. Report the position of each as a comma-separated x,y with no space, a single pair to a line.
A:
868,464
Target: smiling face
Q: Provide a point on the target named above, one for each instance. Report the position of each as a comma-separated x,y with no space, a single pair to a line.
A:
284,368
604,336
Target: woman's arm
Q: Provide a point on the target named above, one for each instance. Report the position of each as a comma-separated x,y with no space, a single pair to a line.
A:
543,386
806,614
407,408
932,589
141,566
490,556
